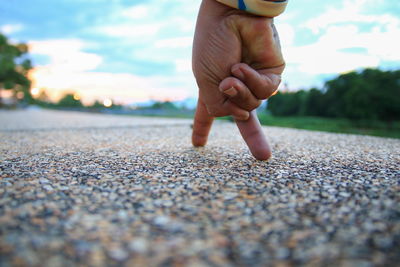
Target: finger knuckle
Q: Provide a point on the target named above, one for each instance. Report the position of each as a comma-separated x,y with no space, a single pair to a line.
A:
254,105
264,94
212,113
264,84
215,112
257,104
251,106
266,90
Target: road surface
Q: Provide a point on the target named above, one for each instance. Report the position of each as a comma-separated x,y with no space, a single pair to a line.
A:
99,190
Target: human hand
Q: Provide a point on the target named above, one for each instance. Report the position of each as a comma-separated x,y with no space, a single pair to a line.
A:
237,62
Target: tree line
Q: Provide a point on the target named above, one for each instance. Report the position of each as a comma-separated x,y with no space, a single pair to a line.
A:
14,68
367,95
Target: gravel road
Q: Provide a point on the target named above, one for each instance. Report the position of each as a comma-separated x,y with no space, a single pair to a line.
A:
81,189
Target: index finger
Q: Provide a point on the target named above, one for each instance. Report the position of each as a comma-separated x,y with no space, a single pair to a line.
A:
254,137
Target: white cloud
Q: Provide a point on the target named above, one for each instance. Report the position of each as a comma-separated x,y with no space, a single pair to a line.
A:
328,55
182,24
11,28
348,38
66,55
151,19
136,12
71,69
350,12
334,17
131,31
183,65
159,31
179,42
286,33
122,87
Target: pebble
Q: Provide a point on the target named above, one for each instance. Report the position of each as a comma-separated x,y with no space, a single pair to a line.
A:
139,194
139,245
118,254
44,181
48,187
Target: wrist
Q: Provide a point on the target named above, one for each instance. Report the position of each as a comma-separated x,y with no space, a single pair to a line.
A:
266,8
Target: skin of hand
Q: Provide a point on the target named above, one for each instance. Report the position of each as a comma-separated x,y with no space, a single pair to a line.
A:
237,62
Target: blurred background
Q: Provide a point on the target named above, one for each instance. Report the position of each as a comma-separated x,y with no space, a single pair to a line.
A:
134,57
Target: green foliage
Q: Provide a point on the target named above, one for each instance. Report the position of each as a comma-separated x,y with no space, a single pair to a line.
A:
314,103
336,125
369,95
69,101
164,105
97,105
14,67
286,104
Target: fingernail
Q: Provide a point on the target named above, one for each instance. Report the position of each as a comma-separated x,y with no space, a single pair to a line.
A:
231,92
239,73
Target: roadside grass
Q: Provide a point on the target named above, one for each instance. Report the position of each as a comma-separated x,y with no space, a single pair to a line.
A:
333,125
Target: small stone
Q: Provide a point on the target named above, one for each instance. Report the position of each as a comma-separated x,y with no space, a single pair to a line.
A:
118,254
161,221
48,187
122,191
230,196
167,203
139,245
44,181
282,253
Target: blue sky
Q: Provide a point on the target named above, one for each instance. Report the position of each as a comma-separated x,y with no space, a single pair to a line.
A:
136,50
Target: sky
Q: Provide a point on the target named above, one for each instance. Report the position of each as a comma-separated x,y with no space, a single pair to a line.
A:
136,50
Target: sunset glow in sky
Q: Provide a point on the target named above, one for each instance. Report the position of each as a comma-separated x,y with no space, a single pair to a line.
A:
136,50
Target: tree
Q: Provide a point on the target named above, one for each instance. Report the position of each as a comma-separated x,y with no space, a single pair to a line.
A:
368,95
167,105
360,100
386,93
69,101
287,104
315,103
335,90
97,105
14,67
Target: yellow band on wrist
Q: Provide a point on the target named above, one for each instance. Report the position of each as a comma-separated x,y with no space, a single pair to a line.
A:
258,7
